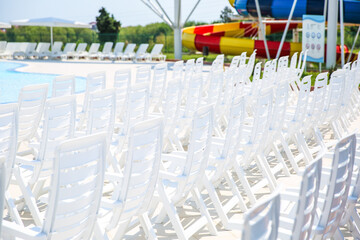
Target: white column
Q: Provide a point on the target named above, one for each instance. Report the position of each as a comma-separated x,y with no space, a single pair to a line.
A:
51,37
177,30
342,32
177,43
332,33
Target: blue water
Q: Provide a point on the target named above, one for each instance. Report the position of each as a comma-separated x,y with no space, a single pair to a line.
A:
11,81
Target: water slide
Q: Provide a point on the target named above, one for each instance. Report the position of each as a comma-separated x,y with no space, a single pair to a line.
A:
229,38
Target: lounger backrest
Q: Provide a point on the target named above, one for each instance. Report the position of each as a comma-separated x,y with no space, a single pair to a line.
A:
130,48
198,150
39,47
44,47
338,186
58,126
141,168
157,49
57,46
235,62
23,47
31,106
30,47
119,47
81,47
142,49
11,47
94,48
17,47
8,146
69,47
262,220
107,47
76,188
2,46
63,85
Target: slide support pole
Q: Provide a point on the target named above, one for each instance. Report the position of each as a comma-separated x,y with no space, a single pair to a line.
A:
332,33
263,31
286,29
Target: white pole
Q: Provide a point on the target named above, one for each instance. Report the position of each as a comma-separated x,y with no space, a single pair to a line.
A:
177,30
286,29
262,28
192,11
331,33
325,9
352,48
342,32
51,37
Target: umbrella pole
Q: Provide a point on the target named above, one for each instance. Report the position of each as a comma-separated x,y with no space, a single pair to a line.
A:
51,37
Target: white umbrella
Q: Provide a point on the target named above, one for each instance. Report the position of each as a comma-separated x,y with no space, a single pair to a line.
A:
4,25
50,22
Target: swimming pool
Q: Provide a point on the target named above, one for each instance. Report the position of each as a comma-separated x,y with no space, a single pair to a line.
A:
11,81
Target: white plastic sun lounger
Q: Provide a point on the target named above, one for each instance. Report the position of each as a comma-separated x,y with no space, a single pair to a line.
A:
25,48
2,46
118,51
92,53
42,48
55,49
20,51
141,52
106,52
31,50
155,53
80,50
11,47
128,52
69,47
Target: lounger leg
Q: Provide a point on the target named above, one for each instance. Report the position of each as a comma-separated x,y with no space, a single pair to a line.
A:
356,220
99,234
216,201
14,214
121,230
171,212
147,226
235,191
160,218
281,160
299,138
29,198
266,171
241,175
289,154
338,235
203,209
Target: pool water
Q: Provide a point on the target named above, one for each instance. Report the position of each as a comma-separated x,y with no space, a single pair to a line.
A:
11,81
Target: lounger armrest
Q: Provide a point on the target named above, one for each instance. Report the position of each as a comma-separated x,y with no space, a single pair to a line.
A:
11,229
26,161
170,176
114,177
109,204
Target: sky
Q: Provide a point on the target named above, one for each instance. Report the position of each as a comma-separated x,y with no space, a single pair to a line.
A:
129,12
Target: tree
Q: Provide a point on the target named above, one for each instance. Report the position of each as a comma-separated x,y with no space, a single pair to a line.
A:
225,15
107,25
